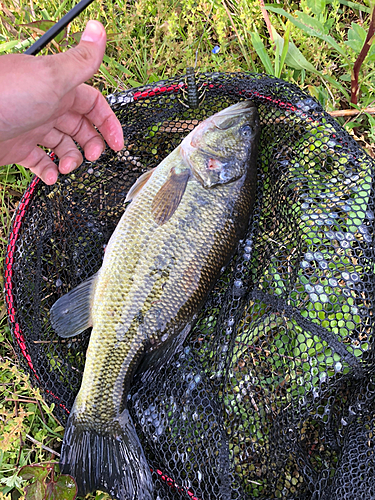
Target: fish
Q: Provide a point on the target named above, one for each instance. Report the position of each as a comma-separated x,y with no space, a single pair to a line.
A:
181,227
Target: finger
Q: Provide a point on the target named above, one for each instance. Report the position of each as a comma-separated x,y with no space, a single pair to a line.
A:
101,115
84,133
78,64
41,165
91,103
65,149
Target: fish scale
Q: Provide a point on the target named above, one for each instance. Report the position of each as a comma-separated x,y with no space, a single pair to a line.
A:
183,224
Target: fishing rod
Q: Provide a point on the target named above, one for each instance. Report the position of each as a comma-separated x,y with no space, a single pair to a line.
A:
49,35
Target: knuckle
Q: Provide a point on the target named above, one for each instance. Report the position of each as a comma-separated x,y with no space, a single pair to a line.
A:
82,54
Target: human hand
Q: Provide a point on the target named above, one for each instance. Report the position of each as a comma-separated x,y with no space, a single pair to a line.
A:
44,102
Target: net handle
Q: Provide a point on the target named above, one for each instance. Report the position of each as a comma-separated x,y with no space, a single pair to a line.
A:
57,28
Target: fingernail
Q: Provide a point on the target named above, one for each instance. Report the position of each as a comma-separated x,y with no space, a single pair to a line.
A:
67,167
93,32
73,166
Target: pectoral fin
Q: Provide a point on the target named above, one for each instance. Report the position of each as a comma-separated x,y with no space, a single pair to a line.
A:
138,185
169,196
70,315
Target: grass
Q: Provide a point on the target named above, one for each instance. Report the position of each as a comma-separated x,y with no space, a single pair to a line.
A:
316,44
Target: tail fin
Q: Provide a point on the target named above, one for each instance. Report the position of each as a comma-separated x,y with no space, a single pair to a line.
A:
112,461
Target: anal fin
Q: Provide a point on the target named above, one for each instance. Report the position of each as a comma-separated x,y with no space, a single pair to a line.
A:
153,361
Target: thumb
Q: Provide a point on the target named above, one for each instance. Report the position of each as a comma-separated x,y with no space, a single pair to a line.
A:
79,64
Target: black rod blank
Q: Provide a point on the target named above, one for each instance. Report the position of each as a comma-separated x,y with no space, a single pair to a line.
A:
57,28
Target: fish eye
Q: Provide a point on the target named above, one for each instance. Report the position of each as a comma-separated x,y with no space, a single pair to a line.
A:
246,130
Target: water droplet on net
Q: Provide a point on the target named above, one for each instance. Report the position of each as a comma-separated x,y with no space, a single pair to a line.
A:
318,256
306,104
192,386
159,430
338,366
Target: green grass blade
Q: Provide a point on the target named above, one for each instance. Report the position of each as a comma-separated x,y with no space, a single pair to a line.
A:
279,48
26,173
15,45
48,428
310,31
260,49
60,9
119,66
293,57
4,47
285,50
353,5
336,84
108,76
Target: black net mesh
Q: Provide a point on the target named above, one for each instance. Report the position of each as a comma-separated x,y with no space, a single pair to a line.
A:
273,393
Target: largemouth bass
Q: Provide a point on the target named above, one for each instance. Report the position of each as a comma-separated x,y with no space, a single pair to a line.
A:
183,224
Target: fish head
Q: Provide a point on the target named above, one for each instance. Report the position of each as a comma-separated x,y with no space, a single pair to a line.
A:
219,149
